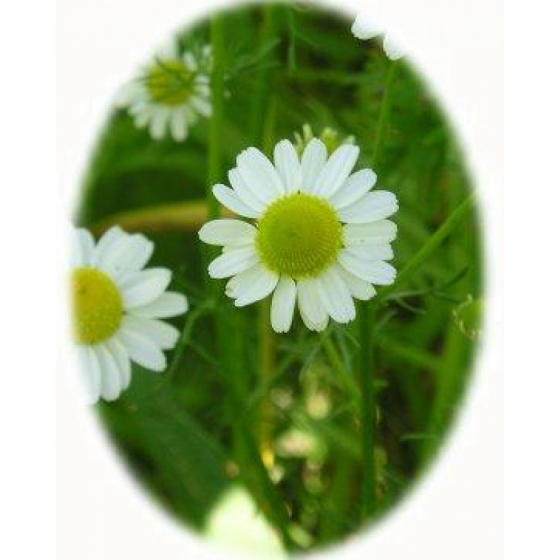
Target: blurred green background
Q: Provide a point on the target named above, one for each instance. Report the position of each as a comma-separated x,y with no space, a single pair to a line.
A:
180,431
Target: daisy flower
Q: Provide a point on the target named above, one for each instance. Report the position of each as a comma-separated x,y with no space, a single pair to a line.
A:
117,306
171,94
319,238
363,29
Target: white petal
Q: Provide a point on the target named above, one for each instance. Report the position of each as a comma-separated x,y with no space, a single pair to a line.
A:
83,246
201,104
169,304
287,163
261,176
364,29
158,123
90,373
283,304
227,232
355,187
360,289
110,376
142,350
392,50
312,162
120,355
336,171
254,284
144,286
178,125
311,308
243,191
127,255
373,206
233,262
164,335
382,252
373,233
104,245
336,296
376,272
228,198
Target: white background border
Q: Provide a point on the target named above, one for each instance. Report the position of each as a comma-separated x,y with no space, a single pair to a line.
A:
456,513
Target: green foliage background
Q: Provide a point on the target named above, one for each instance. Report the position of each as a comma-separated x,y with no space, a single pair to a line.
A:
182,431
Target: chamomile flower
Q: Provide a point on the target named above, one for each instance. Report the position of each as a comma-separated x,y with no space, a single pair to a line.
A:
320,236
171,93
363,29
117,306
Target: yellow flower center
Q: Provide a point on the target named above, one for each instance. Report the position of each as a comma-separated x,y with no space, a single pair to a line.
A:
97,305
170,82
299,235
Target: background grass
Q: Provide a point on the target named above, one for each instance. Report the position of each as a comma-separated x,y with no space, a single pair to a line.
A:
196,429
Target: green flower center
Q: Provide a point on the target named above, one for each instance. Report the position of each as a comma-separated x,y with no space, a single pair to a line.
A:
299,235
170,82
97,305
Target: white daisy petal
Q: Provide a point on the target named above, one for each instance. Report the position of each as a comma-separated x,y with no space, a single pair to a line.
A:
158,123
310,306
376,272
145,286
372,252
169,304
360,289
227,232
364,29
202,105
118,351
105,243
392,50
336,296
142,350
257,170
178,125
90,374
233,262
287,163
283,304
127,255
336,171
313,161
373,206
163,334
110,376
254,284
355,187
243,191
373,233
228,198
83,246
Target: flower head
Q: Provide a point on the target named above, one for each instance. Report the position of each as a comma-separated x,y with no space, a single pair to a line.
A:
117,306
365,30
171,93
320,236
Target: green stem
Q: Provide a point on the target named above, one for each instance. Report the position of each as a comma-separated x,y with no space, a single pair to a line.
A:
429,247
215,131
267,360
366,369
384,111
366,318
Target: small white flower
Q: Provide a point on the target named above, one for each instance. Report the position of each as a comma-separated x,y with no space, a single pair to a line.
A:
171,93
320,238
117,304
364,29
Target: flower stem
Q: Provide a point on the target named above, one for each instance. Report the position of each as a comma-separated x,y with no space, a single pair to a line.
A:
366,319
215,132
384,111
